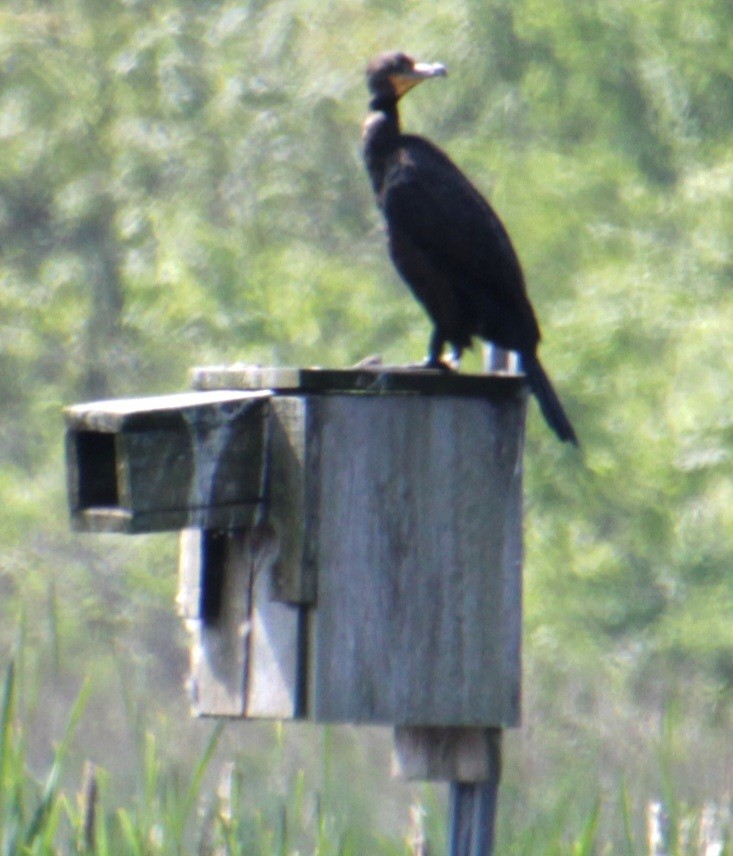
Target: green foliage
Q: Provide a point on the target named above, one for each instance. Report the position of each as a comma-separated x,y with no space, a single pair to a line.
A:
31,812
172,811
242,811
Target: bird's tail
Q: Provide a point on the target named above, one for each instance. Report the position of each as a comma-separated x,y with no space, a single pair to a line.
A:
550,405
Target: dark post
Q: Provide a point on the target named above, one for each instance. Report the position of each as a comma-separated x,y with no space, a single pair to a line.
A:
473,806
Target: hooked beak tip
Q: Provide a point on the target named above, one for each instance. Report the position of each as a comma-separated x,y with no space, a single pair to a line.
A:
431,69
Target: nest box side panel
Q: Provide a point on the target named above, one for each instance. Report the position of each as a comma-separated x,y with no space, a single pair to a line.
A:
245,646
411,624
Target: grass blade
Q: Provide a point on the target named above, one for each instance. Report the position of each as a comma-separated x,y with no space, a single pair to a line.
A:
585,846
627,821
43,811
195,786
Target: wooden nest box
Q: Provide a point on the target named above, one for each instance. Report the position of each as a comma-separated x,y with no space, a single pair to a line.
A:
351,540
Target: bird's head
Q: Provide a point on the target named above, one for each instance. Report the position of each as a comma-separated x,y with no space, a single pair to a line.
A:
391,75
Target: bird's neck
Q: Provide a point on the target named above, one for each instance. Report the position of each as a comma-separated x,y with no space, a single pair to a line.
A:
380,135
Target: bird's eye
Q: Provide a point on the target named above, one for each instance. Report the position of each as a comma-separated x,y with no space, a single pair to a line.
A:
402,63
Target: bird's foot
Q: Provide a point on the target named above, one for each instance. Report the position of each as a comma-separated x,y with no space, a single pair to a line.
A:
438,365
442,365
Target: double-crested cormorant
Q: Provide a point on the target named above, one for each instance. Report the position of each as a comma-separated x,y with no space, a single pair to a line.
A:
446,241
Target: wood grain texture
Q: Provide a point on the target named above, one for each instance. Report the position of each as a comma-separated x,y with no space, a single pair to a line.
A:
414,572
166,462
220,639
275,653
146,412
245,647
291,454
190,571
512,563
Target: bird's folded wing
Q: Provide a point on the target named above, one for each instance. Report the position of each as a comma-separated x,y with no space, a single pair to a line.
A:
456,228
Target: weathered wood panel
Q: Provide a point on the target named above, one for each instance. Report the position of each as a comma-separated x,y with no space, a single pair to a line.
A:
276,654
414,568
373,380
443,754
221,629
190,573
166,462
512,562
291,489
245,647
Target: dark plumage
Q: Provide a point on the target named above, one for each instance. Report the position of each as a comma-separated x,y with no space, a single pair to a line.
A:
446,241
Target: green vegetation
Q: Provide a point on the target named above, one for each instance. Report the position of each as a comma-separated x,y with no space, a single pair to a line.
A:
169,813
181,184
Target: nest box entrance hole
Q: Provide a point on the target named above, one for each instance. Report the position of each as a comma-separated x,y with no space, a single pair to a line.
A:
96,454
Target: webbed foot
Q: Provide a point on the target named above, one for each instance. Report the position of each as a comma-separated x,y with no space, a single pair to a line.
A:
440,364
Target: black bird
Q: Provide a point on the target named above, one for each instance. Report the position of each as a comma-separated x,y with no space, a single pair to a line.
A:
445,239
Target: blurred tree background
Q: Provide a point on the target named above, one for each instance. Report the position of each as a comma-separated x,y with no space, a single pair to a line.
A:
180,184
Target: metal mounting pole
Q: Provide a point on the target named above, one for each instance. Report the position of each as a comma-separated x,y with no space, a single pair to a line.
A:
473,806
